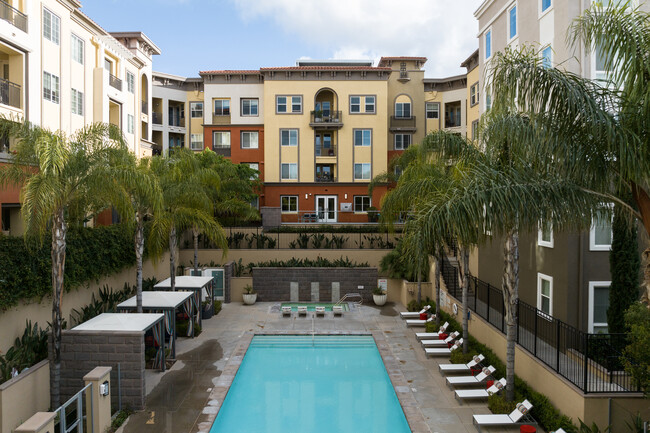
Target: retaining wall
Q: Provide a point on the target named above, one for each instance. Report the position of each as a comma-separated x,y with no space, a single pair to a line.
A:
24,395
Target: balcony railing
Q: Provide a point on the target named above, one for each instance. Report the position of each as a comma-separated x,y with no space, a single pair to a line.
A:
157,118
179,123
145,107
328,120
9,93
114,82
326,150
402,123
13,15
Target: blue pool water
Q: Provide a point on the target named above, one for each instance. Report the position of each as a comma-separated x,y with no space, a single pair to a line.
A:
285,384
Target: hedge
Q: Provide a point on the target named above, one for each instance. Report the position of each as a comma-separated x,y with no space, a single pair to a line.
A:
333,229
91,253
319,262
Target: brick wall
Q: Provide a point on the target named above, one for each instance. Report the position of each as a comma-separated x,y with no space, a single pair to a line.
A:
81,351
273,284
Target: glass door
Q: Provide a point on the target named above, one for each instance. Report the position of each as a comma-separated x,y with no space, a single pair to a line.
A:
326,208
217,275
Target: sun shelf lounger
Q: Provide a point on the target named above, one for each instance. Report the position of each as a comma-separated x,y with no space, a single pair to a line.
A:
461,368
514,418
441,343
470,380
337,309
286,310
418,322
445,350
414,314
467,394
432,335
302,309
560,430
320,311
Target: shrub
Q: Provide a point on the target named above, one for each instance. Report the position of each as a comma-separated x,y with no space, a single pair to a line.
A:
497,403
458,357
217,307
413,305
119,419
333,229
27,351
319,262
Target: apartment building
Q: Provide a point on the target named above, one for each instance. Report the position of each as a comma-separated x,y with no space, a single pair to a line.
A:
565,275
62,71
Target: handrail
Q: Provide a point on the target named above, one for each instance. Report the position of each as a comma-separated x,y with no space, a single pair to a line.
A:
350,295
13,15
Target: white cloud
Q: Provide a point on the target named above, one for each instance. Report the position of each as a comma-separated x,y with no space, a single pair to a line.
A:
442,30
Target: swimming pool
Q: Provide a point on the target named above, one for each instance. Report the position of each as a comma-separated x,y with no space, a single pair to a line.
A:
285,384
311,306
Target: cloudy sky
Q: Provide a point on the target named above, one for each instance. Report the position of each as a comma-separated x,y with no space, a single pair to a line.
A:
248,34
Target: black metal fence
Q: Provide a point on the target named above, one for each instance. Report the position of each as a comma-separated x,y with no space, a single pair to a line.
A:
592,362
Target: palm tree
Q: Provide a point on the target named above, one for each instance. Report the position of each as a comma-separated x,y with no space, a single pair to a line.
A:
59,176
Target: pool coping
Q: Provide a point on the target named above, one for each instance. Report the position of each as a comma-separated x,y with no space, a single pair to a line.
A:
407,400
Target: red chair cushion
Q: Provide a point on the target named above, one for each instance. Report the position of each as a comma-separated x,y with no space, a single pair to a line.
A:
475,371
527,429
489,383
423,316
443,336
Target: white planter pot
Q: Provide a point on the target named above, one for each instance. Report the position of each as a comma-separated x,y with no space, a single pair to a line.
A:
249,299
379,299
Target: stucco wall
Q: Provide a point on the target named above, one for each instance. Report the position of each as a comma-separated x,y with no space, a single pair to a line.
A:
24,395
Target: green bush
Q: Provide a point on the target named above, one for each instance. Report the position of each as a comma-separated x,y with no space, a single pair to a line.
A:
217,307
27,351
119,419
332,229
458,357
319,262
91,254
414,305
497,403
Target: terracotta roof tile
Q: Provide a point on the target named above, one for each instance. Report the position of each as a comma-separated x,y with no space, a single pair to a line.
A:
325,68
231,71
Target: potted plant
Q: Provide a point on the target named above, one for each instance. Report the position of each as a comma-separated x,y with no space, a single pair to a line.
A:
250,295
373,214
379,296
318,116
207,309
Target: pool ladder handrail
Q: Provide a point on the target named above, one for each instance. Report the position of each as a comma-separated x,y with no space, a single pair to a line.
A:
351,295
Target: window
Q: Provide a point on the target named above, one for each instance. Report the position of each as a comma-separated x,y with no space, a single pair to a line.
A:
546,4
488,100
475,130
196,109
600,72
598,305
51,26
196,141
545,235
547,57
453,112
488,44
289,137
600,235
433,110
281,104
355,104
289,171
222,107
108,65
362,203
402,141
398,171
370,104
512,22
130,82
545,294
362,171
221,140
289,203
249,107
77,49
130,123
296,104
50,87
473,94
362,137
249,139
77,102
254,166
402,109
362,104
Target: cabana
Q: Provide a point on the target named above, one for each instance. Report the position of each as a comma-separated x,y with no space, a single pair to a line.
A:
166,303
192,284
112,324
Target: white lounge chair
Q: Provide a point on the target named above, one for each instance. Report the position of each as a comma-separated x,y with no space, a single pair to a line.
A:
461,368
418,322
286,310
513,418
414,314
470,394
320,311
445,350
337,310
432,335
470,380
560,430
441,343
302,310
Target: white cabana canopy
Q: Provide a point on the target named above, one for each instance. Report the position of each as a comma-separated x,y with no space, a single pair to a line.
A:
118,322
185,282
157,300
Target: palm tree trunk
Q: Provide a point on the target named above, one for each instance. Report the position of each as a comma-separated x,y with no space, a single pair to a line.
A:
59,230
172,258
419,285
139,251
437,286
464,281
195,235
510,298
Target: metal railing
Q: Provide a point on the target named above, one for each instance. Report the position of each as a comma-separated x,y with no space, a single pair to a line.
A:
332,118
177,121
402,123
13,15
73,413
325,178
592,362
325,150
9,93
157,118
114,82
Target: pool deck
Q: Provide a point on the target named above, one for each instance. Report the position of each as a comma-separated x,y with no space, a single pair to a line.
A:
188,396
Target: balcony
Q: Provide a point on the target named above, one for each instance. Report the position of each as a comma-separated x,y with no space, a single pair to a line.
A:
324,178
13,15
115,82
145,107
9,93
220,119
329,120
157,118
177,122
325,150
402,124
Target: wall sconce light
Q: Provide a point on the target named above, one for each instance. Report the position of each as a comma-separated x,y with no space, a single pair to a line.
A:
306,196
346,196
103,388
